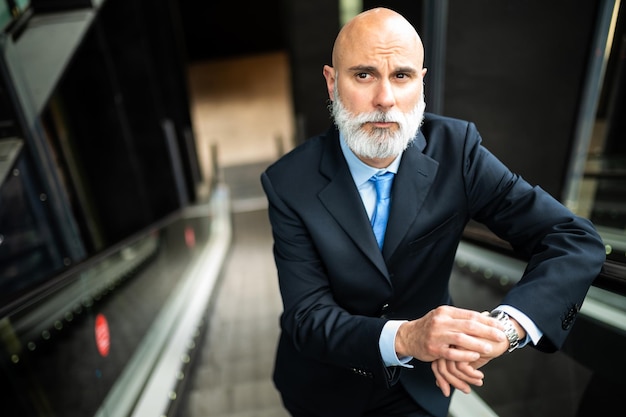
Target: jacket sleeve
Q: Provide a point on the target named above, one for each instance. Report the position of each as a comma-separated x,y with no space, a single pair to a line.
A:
564,252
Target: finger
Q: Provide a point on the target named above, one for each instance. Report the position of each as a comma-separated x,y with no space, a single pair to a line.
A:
464,314
469,374
464,348
468,370
486,328
469,322
479,363
449,372
441,382
484,347
460,355
476,317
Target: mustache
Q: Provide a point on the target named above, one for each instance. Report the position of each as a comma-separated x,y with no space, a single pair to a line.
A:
391,116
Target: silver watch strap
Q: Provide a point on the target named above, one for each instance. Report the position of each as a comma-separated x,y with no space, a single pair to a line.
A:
509,329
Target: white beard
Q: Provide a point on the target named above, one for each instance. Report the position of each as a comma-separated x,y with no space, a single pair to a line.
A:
378,143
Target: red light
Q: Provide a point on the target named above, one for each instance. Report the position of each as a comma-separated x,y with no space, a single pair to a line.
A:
103,337
190,237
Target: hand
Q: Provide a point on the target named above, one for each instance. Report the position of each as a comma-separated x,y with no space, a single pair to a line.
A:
462,374
449,333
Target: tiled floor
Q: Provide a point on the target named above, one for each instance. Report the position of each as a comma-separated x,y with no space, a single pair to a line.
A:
233,378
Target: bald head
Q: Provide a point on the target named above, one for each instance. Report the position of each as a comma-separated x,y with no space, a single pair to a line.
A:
378,27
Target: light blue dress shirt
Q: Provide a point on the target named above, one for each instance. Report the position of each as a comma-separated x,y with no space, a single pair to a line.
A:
361,173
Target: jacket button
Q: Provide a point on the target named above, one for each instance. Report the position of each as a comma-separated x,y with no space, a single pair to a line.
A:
383,311
568,321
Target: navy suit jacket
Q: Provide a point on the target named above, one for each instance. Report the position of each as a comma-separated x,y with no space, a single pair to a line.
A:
338,289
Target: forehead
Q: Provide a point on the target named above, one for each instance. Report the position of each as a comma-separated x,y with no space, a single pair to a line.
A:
382,53
385,44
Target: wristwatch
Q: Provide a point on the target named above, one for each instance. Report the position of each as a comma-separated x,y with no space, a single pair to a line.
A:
509,329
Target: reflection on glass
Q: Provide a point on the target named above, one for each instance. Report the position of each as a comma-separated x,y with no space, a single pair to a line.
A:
5,14
29,251
602,195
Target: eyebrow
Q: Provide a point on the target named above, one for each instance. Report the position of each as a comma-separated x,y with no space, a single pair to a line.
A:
369,68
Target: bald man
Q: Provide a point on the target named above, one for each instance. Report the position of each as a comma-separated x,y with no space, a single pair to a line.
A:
367,326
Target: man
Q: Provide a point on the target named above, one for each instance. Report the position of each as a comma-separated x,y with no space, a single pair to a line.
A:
366,328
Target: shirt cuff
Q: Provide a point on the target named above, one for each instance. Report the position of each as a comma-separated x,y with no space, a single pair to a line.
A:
387,345
533,334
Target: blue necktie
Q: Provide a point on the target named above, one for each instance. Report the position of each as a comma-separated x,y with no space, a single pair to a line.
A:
382,183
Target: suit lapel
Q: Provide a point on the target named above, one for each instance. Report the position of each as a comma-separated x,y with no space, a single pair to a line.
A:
412,184
341,198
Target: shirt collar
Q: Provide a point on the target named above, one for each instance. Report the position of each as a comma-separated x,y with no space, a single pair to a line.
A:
361,172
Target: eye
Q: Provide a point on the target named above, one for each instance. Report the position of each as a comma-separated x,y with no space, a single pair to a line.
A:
362,75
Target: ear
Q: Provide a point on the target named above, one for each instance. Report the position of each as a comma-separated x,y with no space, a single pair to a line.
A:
329,74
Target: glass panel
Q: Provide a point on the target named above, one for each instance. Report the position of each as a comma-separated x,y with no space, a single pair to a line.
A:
5,14
29,251
602,194
61,356
22,4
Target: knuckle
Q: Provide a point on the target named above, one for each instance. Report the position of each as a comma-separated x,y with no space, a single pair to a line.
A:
430,351
474,326
457,339
443,309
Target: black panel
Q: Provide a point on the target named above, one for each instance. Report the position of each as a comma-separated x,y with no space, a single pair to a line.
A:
411,10
105,120
43,6
8,119
516,69
30,251
216,29
91,112
311,28
133,69
603,393
165,45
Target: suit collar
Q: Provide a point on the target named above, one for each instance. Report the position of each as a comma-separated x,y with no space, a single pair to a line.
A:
412,184
341,198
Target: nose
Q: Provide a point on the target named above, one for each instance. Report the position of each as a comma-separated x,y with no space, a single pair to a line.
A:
384,97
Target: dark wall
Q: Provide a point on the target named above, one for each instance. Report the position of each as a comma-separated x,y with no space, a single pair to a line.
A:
517,70
411,10
310,28
223,28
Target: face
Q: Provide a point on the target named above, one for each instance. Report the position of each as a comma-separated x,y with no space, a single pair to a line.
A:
377,81
377,144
